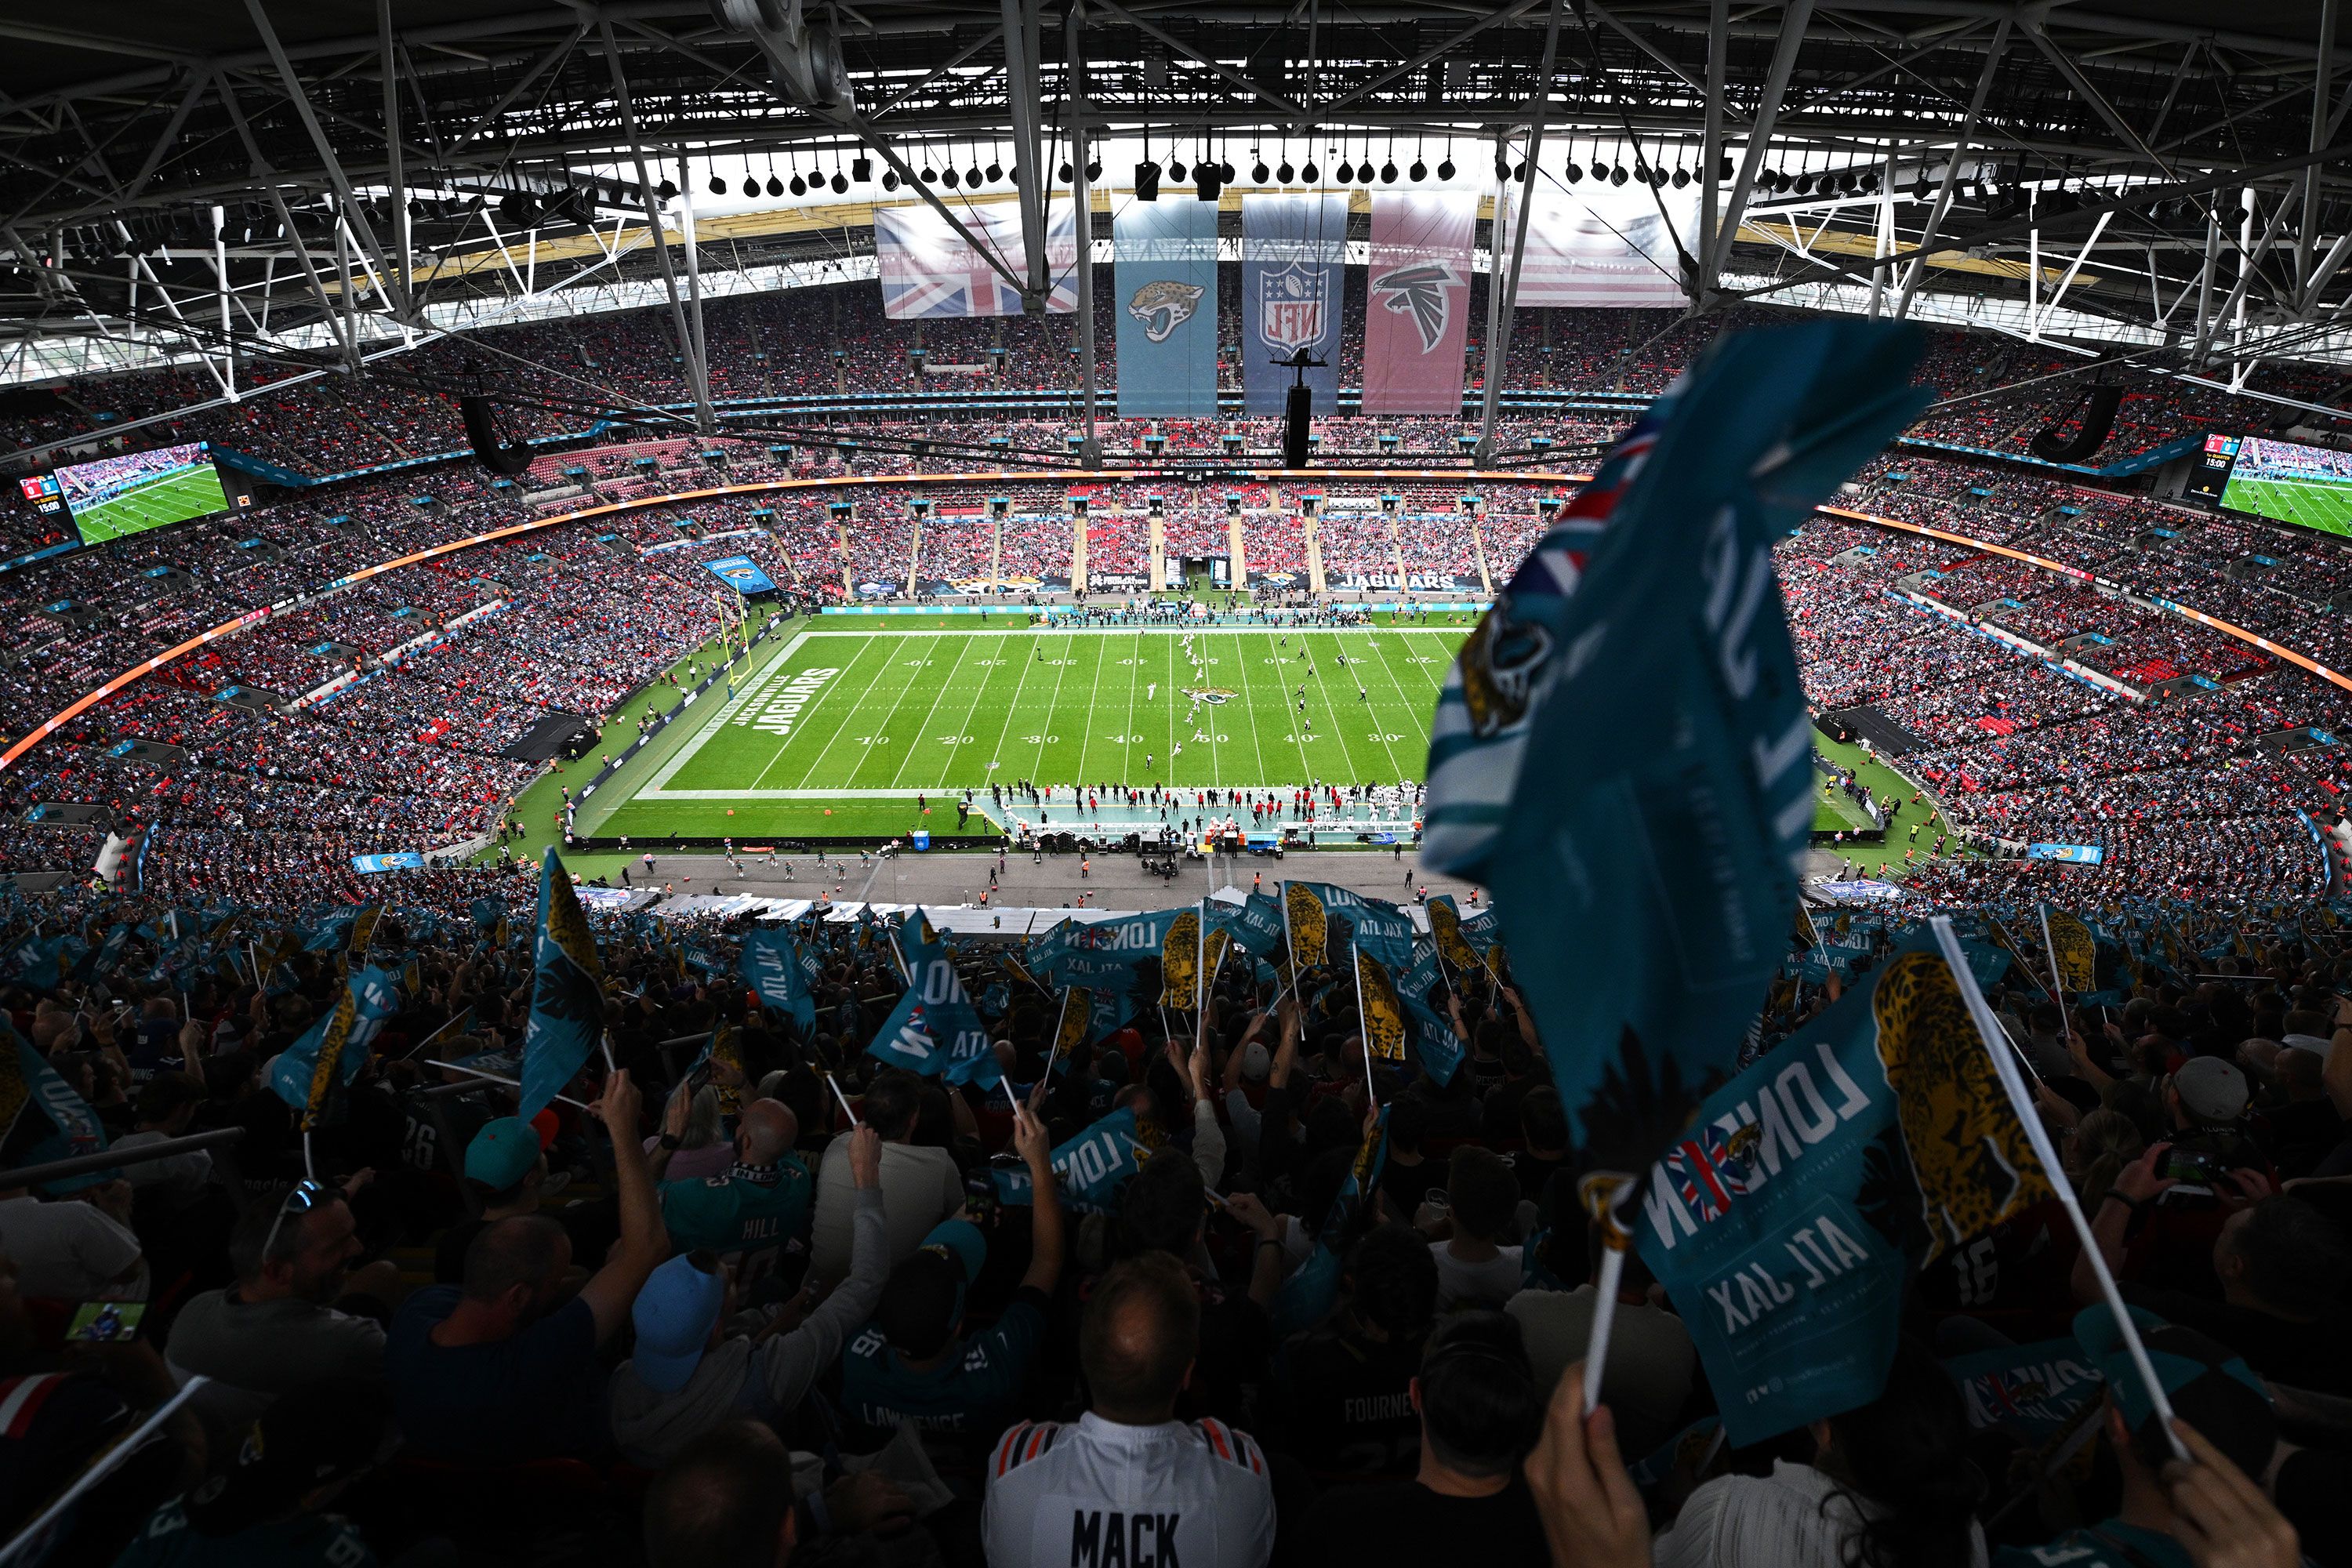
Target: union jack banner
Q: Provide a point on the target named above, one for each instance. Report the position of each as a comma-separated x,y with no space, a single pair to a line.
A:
929,269
1707,1176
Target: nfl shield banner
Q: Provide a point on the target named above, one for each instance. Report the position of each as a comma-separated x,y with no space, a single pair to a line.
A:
1605,245
1417,301
929,269
1165,255
1294,250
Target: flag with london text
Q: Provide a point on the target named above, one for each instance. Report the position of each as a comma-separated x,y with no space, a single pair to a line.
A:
935,1030
929,269
1787,1217
1620,751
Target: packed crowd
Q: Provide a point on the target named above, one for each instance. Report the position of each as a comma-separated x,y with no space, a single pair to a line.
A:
1210,1288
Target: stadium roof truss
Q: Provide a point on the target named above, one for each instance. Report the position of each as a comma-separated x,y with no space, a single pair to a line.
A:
228,183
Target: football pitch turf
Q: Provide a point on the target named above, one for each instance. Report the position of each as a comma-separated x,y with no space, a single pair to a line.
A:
2308,504
860,721
171,498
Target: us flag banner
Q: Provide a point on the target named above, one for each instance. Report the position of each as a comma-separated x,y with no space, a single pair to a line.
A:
1417,304
929,269
1603,245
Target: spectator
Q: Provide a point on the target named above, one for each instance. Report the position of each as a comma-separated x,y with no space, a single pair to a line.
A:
79,1248
269,1505
1647,1378
1480,1412
1474,1267
761,1203
1193,1491
298,1318
1348,1385
921,1185
504,1368
697,1364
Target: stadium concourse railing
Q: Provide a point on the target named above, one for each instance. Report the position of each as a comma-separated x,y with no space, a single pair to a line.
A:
2252,639
257,616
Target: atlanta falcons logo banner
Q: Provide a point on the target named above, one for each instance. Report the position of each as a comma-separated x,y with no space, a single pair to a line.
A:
929,269
1294,253
1166,257
1417,305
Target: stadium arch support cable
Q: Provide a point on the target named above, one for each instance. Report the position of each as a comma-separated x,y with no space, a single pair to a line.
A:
255,618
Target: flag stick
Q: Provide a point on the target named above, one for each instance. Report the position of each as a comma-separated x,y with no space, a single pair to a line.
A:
2039,1136
2049,950
834,1085
462,1013
1363,1028
605,1040
1602,1192
105,1466
510,1083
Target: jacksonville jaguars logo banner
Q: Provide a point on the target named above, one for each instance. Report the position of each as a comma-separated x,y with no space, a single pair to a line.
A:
1622,752
1786,1218
1294,256
1165,255
1417,301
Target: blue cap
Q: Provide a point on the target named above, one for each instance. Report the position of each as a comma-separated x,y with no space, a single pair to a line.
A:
960,1240
502,1154
673,1314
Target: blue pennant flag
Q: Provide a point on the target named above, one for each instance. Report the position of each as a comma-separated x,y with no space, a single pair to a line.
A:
336,1046
1307,1296
935,1030
41,1118
567,991
771,966
1090,1169
1656,874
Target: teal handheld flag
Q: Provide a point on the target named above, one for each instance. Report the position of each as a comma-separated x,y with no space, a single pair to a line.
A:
771,965
567,991
1621,750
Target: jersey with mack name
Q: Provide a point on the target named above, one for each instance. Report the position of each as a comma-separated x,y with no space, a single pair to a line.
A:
1100,1494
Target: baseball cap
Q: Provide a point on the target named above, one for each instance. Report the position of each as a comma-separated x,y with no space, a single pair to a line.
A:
503,1153
922,1301
2210,1386
2211,1089
2317,1044
673,1314
1257,1061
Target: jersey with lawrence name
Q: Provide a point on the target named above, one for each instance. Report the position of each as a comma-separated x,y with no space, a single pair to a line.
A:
1098,1494
736,1213
971,1392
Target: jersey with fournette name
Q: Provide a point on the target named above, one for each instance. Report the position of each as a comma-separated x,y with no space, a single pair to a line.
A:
1098,1494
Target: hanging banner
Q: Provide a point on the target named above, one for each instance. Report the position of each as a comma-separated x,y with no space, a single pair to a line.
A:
1165,259
1417,301
1293,251
1604,245
929,269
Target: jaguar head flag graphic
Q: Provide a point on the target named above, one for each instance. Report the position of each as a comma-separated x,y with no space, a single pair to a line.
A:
1163,305
1421,288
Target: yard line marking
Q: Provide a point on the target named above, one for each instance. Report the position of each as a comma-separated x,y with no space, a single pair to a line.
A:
937,698
857,693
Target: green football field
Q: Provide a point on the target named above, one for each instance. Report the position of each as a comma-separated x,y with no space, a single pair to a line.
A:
860,721
2305,502
184,493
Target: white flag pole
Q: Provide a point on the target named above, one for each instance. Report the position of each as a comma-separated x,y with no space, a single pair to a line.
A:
2049,950
2005,1070
105,1466
1603,1192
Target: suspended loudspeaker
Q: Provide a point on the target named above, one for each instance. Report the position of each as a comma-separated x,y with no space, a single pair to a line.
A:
1295,414
482,434
2098,417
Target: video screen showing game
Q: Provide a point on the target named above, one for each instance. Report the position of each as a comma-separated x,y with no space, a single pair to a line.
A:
2285,482
135,491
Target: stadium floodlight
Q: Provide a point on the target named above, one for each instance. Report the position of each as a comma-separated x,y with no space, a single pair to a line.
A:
1574,173
1805,183
1599,170
1284,173
931,175
1308,171
1226,173
973,176
1681,176
775,185
1094,170
1419,172
951,177
1065,174
840,183
1258,171
1347,172
1617,175
995,169
1388,173
889,179
1446,169
1176,171
718,186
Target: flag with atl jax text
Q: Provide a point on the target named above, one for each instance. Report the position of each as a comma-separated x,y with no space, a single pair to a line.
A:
1089,1171
771,966
1384,943
567,991
1622,751
1787,1218
935,1030
1417,301
335,1049
1318,923
1164,256
41,1118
